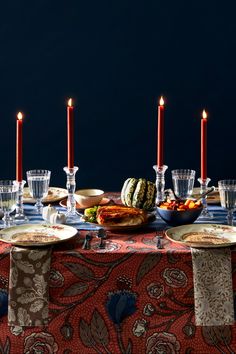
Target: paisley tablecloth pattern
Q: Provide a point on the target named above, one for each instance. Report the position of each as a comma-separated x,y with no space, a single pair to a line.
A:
129,298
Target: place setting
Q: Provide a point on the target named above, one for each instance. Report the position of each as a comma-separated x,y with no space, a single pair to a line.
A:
190,222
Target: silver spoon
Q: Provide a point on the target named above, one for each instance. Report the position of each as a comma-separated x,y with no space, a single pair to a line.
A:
204,194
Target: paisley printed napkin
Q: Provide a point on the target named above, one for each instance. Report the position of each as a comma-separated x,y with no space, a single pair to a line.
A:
28,286
213,290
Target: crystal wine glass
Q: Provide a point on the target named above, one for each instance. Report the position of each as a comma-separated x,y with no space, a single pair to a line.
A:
38,182
183,182
8,197
227,190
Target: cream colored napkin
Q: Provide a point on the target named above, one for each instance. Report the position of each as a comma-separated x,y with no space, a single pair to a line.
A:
28,286
213,289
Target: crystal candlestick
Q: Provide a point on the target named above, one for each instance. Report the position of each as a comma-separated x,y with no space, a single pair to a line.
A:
205,214
71,216
19,215
160,182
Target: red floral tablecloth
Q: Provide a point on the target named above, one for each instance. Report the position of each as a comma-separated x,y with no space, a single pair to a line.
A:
129,298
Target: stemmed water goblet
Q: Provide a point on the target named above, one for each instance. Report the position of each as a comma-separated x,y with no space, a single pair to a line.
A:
38,182
8,198
183,182
227,190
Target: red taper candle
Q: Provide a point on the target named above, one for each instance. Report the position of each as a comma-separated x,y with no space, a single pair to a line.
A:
70,134
204,146
160,134
19,147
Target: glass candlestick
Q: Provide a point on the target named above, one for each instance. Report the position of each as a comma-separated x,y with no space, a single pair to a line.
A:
160,182
205,214
71,215
20,217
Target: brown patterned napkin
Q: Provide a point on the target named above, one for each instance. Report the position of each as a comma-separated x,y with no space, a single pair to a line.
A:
213,289
28,286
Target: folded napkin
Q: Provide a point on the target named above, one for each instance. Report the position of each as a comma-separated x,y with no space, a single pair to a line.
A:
28,286
213,289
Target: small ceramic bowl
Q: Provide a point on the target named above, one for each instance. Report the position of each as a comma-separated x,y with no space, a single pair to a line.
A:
177,218
88,197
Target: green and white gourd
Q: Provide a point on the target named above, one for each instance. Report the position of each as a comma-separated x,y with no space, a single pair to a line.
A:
138,193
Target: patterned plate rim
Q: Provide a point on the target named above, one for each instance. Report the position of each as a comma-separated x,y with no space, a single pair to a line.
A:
200,244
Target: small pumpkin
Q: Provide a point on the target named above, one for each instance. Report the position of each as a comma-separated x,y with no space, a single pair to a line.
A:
138,193
47,212
57,218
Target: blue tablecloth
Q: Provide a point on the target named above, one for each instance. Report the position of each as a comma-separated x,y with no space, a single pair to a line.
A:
219,217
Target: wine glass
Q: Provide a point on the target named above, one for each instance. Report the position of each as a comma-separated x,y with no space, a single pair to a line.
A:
8,198
227,190
38,182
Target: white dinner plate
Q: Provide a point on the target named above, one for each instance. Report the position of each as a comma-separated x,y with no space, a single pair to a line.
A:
55,194
203,235
37,234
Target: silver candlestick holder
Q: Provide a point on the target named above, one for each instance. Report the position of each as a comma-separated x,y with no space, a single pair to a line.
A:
205,214
20,216
160,182
72,216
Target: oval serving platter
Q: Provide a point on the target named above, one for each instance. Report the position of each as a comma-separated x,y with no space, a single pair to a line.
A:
117,228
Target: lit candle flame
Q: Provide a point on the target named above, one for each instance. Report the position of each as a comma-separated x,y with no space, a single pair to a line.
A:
204,114
161,102
70,102
19,116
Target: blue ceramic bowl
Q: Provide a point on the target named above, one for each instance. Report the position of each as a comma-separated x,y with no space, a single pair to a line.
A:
177,218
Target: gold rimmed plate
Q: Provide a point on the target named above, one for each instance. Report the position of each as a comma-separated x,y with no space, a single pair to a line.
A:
203,235
55,194
37,234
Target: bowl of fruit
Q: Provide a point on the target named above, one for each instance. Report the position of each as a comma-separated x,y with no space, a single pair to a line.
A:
179,212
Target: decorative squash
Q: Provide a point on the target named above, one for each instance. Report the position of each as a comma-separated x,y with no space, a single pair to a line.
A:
57,218
47,212
138,193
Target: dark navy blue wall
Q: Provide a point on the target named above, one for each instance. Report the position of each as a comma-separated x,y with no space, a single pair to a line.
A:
116,58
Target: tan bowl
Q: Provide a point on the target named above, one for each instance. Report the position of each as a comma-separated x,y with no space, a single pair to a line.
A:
88,197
